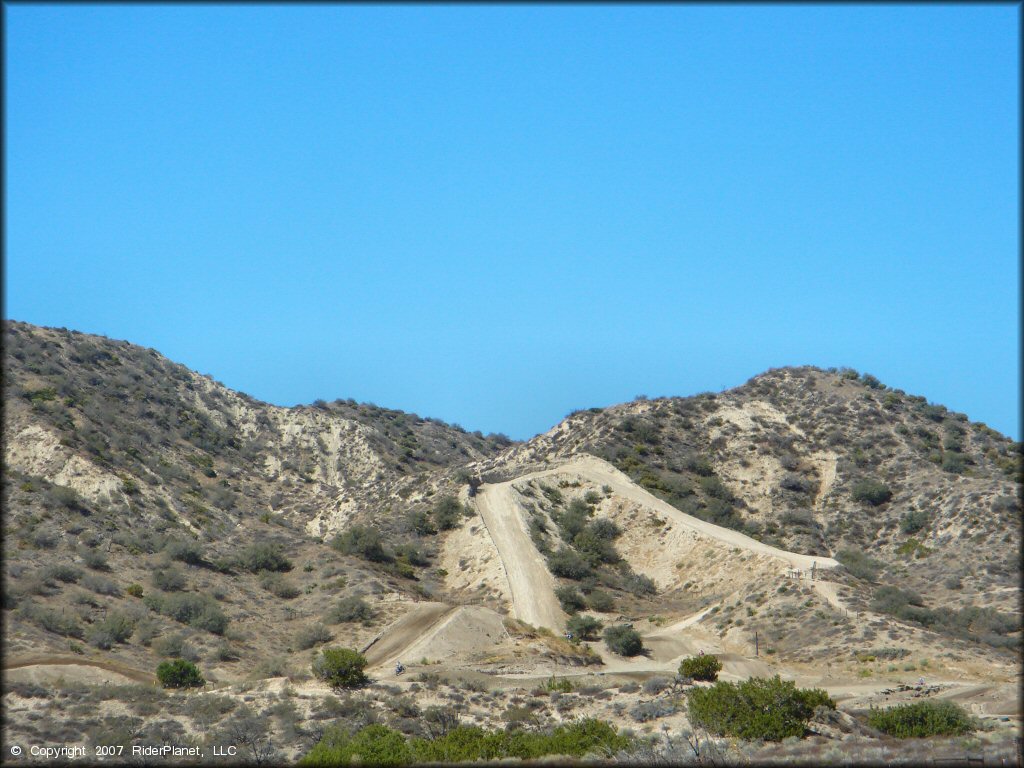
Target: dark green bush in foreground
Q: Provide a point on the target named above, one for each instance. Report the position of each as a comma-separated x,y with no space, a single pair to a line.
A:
623,640
380,745
704,668
340,667
759,708
926,718
179,674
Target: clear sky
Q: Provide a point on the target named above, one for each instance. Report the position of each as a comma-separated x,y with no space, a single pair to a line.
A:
496,214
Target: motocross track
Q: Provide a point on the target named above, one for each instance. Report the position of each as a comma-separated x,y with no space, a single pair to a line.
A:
40,668
532,587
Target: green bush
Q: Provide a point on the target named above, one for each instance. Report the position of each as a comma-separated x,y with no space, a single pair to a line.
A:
623,640
704,667
362,541
601,601
372,745
771,709
860,565
872,492
264,556
923,719
349,609
914,521
279,586
179,674
570,599
583,627
340,667
135,590
184,551
569,564
169,580
448,513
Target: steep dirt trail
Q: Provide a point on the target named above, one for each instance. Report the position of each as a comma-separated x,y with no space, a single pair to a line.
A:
404,632
531,585
602,472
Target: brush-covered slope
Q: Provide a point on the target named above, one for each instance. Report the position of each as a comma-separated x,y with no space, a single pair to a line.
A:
123,468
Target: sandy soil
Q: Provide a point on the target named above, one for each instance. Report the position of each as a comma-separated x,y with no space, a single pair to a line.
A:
44,669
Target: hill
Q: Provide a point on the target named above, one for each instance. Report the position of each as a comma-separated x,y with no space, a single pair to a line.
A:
814,523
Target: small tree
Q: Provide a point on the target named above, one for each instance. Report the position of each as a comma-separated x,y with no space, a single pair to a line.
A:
623,640
704,668
340,667
583,627
179,674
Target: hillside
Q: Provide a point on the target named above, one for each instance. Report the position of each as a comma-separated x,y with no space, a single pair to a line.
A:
861,534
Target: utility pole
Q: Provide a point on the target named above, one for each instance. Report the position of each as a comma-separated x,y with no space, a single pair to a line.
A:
756,646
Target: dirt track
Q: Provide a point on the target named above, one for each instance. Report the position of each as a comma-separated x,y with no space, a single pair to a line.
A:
77,661
531,585
399,635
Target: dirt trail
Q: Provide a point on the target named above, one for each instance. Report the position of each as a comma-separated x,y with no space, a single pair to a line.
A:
602,472
400,634
77,661
531,585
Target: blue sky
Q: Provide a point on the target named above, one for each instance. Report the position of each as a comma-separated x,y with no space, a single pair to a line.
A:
494,214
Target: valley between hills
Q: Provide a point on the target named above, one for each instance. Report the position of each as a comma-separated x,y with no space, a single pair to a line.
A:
813,524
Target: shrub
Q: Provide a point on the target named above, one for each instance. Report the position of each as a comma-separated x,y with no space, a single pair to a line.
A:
420,523
860,565
351,608
340,667
95,559
279,586
569,564
570,599
923,719
871,492
595,547
362,541
264,556
583,627
771,709
447,513
914,521
135,590
954,462
184,551
704,667
644,711
66,573
198,611
315,634
601,601
101,585
179,674
372,745
169,580
623,640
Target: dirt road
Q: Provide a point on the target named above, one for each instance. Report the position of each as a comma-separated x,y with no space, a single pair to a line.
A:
76,664
531,585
